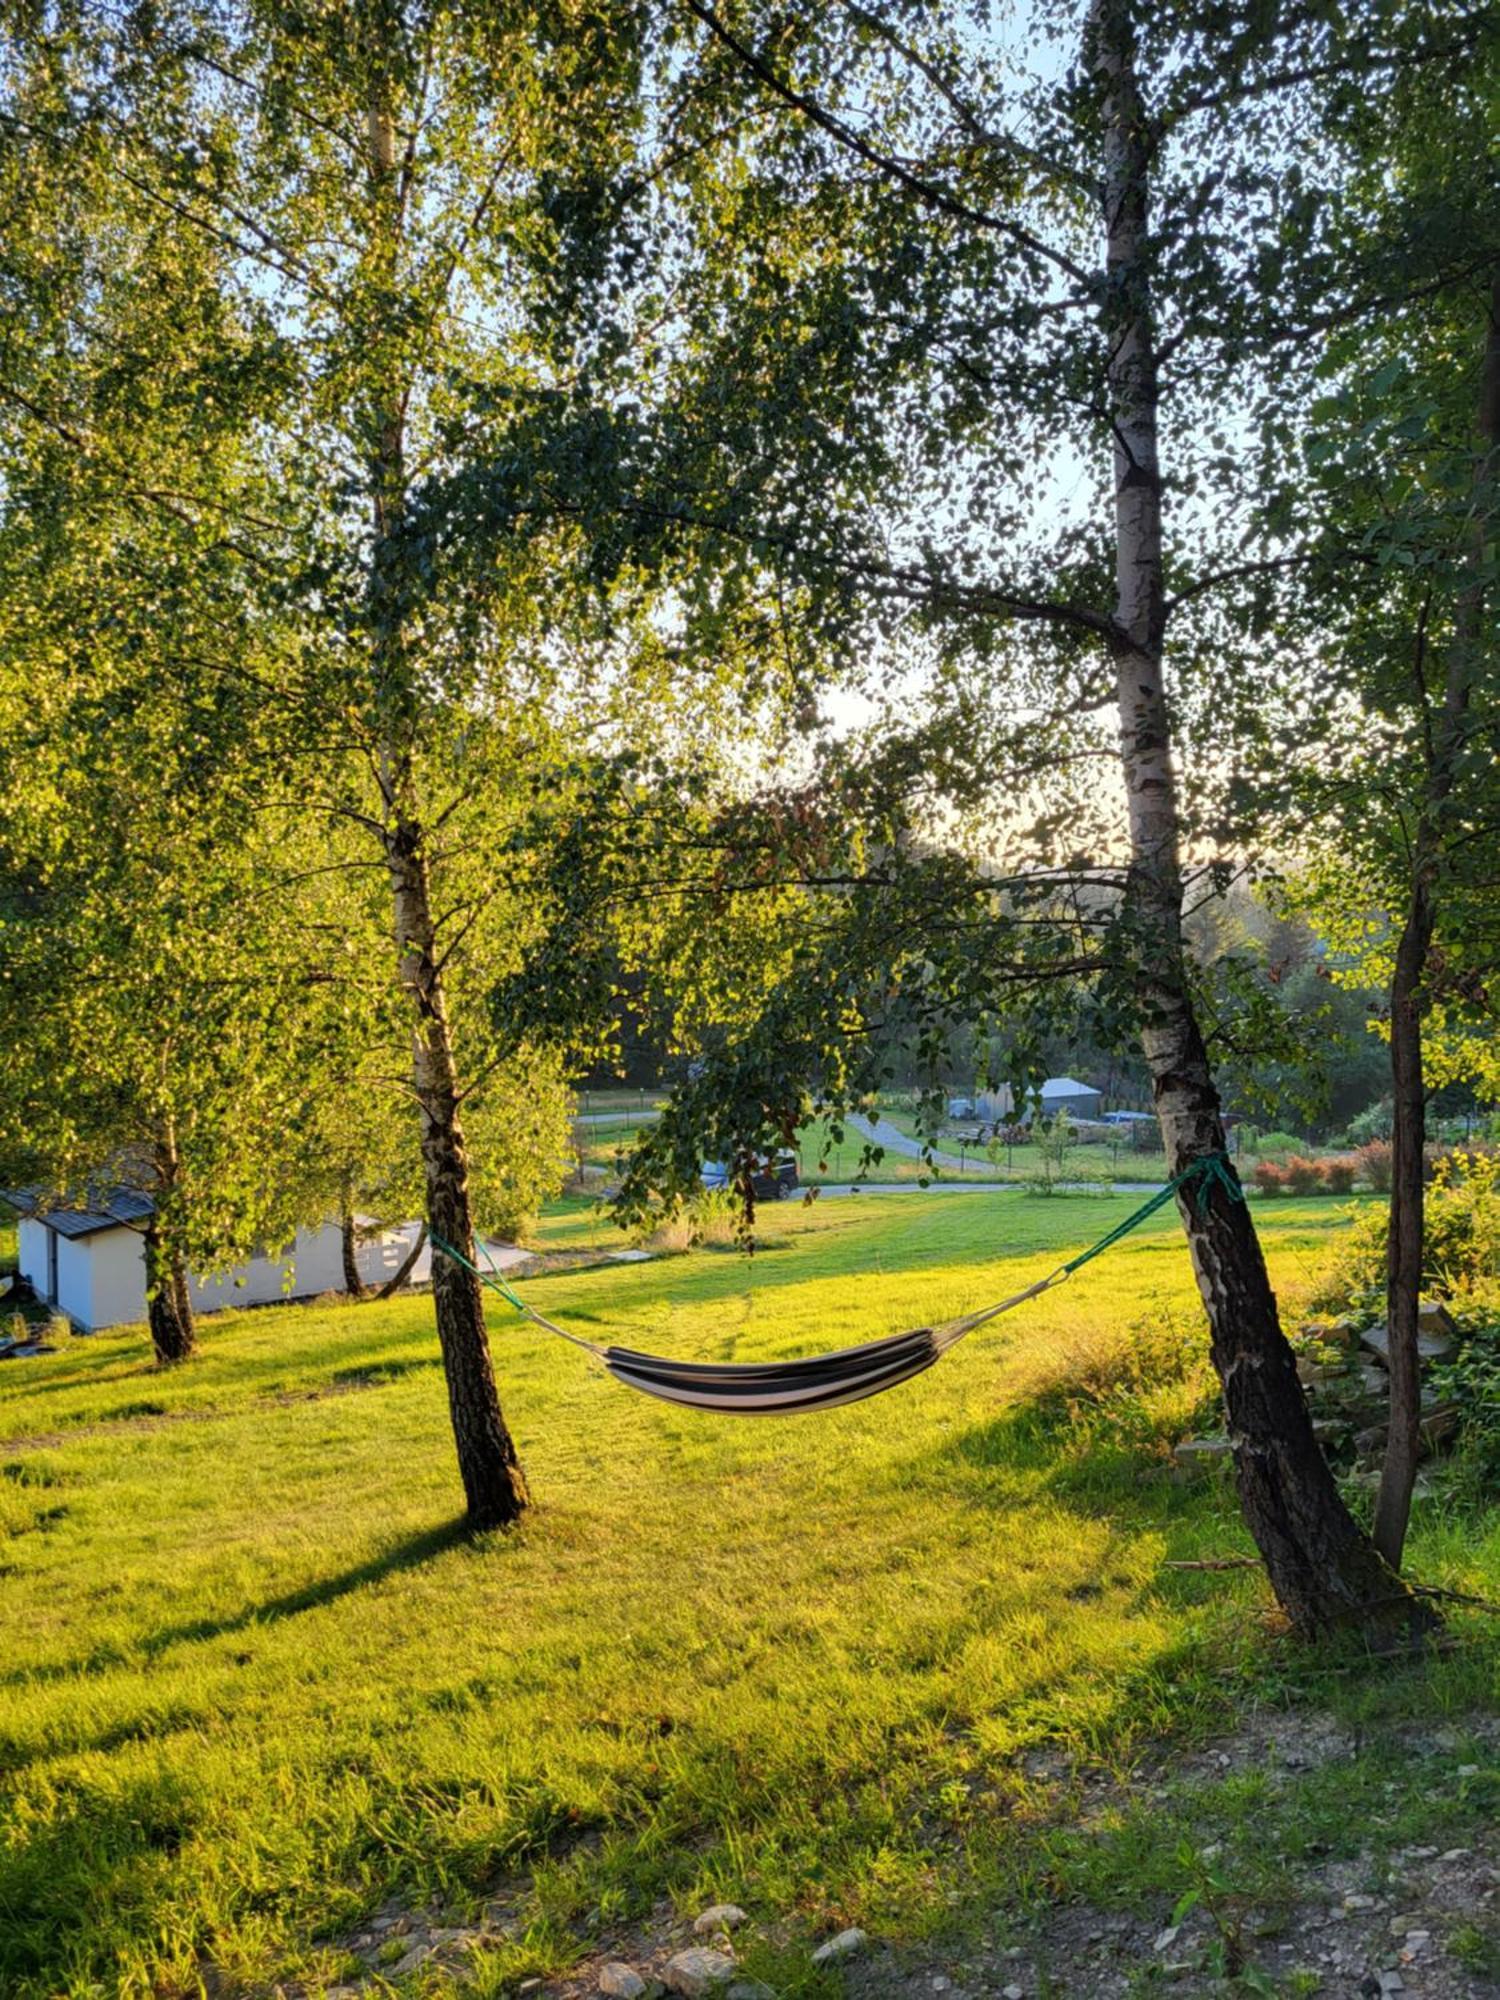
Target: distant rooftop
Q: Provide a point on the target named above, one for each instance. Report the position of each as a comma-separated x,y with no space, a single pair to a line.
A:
98,1208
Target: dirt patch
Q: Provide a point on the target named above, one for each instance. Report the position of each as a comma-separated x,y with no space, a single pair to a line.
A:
1418,1921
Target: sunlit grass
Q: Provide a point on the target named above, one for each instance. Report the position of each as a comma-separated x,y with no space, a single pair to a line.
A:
254,1681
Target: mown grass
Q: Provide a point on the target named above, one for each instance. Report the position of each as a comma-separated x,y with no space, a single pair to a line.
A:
600,1146
254,1679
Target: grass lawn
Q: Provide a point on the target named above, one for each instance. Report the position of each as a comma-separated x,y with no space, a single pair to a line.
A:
254,1682
602,1143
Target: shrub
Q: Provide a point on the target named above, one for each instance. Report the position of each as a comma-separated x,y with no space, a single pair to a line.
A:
1303,1176
1461,1252
710,1217
1472,1380
1276,1142
1337,1175
1269,1177
714,1217
1371,1124
1375,1165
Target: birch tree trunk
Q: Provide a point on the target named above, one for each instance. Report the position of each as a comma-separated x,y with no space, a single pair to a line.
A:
494,1487
1406,1243
399,1277
1324,1570
169,1306
354,1284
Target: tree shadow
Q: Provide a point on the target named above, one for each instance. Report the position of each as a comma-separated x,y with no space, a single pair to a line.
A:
408,1554
403,1555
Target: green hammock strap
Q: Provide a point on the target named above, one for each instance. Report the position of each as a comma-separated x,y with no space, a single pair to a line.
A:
496,1283
1211,1170
492,1277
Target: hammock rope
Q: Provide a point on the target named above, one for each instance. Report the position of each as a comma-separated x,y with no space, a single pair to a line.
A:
849,1374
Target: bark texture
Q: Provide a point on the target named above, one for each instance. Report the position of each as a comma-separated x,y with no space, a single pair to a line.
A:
1324,1570
354,1284
169,1305
1448,740
1404,1245
493,1482
169,1312
494,1487
398,1278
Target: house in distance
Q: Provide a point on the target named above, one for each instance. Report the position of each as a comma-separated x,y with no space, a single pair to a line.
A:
90,1264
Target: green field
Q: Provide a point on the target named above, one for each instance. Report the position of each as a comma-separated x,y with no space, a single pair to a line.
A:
254,1681
601,1145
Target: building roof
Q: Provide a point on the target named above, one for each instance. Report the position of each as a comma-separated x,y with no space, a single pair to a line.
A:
102,1208
1067,1086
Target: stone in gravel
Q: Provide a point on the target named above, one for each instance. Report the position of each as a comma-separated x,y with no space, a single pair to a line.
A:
750,1989
1199,1454
697,1971
412,1959
1166,1939
1432,1345
719,1917
1013,1993
530,1986
1391,1982
843,1946
622,1981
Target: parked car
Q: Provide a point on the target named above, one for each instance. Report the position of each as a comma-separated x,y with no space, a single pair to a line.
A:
1129,1118
774,1182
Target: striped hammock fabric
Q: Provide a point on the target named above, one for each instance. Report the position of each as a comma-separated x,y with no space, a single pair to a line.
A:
849,1374
785,1388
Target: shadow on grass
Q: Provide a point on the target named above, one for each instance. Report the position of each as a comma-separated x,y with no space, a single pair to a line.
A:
403,1555
1037,1449
408,1554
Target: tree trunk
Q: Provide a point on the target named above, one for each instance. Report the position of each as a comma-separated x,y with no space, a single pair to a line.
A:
491,1471
494,1486
169,1312
169,1305
1406,1243
397,1279
1324,1570
354,1284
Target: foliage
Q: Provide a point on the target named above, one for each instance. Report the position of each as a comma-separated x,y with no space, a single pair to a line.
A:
1471,1378
1375,1165
1372,1126
1461,1258
709,1217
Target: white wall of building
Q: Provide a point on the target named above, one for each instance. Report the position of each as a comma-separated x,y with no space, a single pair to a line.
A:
118,1257
101,1278
31,1254
75,1291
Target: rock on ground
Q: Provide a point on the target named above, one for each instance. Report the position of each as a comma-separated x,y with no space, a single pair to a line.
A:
622,1982
843,1946
697,1971
719,1917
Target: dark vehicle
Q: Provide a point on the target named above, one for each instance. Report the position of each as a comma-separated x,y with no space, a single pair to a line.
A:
773,1182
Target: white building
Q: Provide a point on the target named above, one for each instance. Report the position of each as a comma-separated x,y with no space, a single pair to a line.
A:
91,1263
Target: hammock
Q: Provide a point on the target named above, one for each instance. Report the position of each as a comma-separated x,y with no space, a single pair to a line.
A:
849,1374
